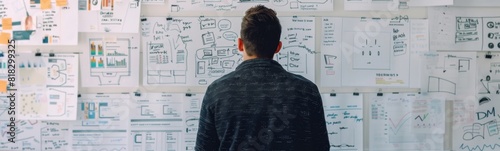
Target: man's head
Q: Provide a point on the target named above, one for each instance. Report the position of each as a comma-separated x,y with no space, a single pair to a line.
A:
260,33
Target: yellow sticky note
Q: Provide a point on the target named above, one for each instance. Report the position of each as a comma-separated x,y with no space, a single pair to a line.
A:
61,2
6,23
4,38
45,4
3,86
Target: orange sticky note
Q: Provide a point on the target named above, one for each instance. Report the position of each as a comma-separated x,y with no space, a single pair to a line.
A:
45,4
6,23
61,2
4,38
3,86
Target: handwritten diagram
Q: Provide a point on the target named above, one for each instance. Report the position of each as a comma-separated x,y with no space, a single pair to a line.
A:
482,132
111,61
449,73
49,97
192,107
113,16
454,29
488,80
344,121
237,5
35,22
406,122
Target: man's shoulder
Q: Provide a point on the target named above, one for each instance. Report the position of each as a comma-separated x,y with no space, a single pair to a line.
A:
301,80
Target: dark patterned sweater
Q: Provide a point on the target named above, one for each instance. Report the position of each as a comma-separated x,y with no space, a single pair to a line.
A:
261,106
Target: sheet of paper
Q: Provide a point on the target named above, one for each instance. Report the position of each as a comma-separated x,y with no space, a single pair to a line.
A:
383,5
430,2
156,121
469,3
241,6
103,122
48,86
488,73
192,107
109,62
331,46
375,58
197,51
406,121
344,121
449,73
482,131
27,135
40,22
459,28
112,16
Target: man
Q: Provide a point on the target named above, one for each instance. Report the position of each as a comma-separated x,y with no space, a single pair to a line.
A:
261,106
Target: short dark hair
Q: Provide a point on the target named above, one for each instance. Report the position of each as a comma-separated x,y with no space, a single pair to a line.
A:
260,31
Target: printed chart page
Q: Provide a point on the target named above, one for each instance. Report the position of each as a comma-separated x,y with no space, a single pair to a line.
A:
344,121
109,60
39,22
406,121
112,16
103,122
48,86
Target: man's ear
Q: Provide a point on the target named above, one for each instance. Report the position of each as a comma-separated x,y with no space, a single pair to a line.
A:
240,44
278,48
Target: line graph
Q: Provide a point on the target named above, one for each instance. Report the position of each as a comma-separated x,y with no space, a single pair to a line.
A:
480,148
401,122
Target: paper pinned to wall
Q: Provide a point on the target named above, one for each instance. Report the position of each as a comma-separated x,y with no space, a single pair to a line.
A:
48,86
103,122
483,131
459,28
383,5
449,73
110,16
109,63
344,120
331,52
488,73
430,2
192,107
406,121
238,5
40,22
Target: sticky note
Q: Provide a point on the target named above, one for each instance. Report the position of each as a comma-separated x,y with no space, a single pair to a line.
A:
45,4
6,23
4,38
3,86
61,2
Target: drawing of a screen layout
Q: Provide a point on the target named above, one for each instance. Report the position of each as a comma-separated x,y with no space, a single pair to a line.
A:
109,61
479,29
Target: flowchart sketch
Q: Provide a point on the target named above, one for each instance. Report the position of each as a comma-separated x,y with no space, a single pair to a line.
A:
344,121
457,28
298,51
39,22
488,73
103,122
482,133
156,121
48,86
192,108
375,58
165,51
110,60
239,5
111,16
449,73
331,47
406,121
27,135
383,5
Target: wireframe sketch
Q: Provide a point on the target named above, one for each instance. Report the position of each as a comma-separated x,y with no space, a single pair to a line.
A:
437,84
238,5
109,61
373,54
